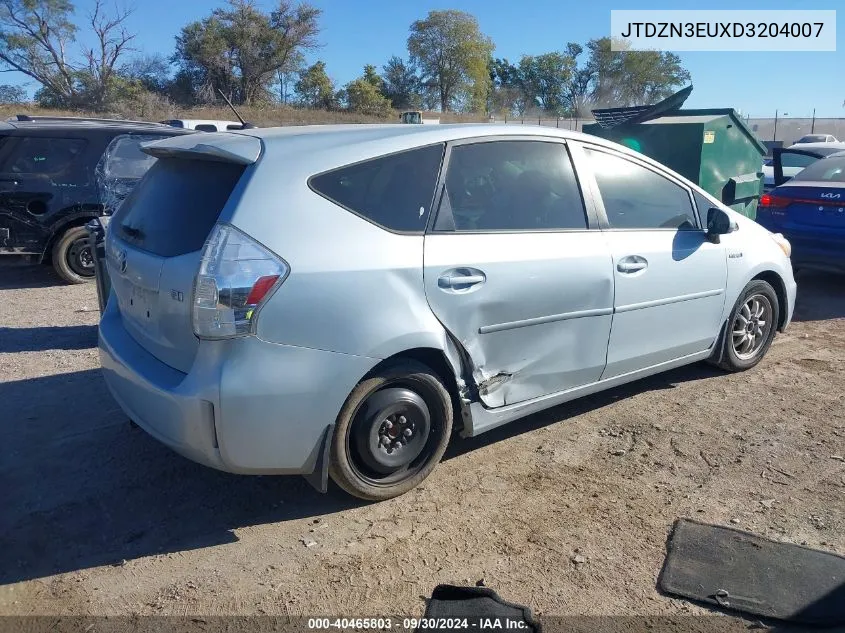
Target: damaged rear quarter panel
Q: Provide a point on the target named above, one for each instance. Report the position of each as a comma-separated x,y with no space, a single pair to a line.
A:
353,288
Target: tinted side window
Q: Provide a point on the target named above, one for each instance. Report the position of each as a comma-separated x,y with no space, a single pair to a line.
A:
638,198
206,127
60,158
394,191
511,186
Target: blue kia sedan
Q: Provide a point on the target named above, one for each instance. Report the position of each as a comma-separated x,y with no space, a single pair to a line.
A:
809,210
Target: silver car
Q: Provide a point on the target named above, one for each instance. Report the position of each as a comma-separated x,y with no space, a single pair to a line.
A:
337,300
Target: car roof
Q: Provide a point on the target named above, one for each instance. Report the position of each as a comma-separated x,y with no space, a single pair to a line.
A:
25,122
839,144
320,147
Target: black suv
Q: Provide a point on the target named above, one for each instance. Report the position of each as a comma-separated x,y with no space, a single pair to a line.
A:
56,174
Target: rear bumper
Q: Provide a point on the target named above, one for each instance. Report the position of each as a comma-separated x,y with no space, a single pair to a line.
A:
246,406
827,253
823,248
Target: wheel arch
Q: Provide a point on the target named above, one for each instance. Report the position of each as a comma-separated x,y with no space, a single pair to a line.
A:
71,222
439,362
776,282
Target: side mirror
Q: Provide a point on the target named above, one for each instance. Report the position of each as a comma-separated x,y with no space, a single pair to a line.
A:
719,223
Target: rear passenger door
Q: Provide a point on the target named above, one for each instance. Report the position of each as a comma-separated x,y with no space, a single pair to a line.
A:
515,270
669,278
43,179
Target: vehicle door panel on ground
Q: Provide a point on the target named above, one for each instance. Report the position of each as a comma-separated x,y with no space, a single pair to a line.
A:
514,272
669,278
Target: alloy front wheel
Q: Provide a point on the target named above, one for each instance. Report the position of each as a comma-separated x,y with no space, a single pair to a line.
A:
751,326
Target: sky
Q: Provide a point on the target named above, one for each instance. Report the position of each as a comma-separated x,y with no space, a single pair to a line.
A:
358,32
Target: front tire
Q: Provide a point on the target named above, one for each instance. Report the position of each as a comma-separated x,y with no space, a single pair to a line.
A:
73,258
391,433
750,328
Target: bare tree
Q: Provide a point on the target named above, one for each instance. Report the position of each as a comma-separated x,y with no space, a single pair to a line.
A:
112,41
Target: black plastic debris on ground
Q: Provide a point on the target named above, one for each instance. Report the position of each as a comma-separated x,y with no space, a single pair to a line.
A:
480,607
739,571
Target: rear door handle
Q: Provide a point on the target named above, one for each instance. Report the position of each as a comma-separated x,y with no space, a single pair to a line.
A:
632,264
461,278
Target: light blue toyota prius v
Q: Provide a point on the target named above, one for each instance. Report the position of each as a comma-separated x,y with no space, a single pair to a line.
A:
341,300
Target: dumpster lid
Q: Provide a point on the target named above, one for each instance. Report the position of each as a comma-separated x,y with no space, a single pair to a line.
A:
705,115
611,117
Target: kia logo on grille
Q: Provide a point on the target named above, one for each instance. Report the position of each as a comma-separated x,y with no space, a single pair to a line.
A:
831,196
121,260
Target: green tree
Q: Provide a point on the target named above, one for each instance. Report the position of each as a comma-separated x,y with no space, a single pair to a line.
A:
241,50
36,38
577,92
372,77
625,78
363,95
544,80
12,94
452,55
401,85
314,87
507,95
287,75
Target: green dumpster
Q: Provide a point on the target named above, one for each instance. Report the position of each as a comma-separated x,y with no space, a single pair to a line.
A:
712,148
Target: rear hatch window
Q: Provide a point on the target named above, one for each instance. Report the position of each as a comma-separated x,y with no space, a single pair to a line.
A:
828,170
175,206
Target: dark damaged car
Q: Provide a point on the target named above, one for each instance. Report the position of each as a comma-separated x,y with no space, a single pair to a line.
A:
57,174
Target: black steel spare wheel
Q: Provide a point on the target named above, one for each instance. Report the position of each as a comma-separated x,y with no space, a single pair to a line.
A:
392,432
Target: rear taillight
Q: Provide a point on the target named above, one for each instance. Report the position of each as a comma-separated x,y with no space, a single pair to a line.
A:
236,275
774,202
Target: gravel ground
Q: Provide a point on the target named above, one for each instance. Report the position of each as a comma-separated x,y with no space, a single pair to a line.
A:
98,518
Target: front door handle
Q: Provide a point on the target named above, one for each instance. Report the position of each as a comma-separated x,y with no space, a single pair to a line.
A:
632,264
461,278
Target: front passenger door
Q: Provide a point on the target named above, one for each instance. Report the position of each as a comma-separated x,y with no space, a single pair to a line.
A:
669,278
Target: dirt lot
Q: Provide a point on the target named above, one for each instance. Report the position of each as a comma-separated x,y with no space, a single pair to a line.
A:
98,518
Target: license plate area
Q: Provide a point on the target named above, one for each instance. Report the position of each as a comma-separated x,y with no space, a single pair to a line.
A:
142,306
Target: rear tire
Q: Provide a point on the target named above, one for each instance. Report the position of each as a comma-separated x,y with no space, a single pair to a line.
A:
73,258
750,328
391,433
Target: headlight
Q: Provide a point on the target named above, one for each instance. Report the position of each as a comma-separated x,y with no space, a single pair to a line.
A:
784,244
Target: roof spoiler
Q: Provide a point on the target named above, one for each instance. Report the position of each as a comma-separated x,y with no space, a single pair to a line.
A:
226,148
